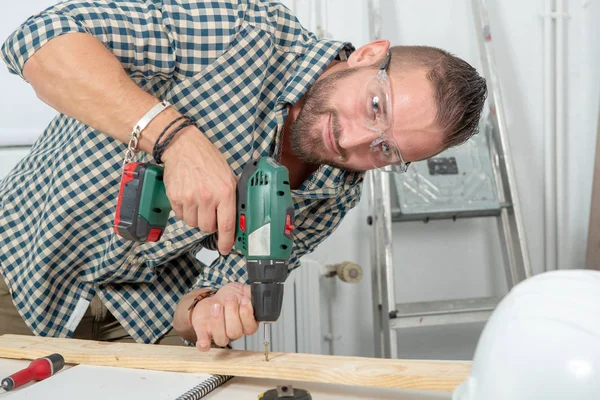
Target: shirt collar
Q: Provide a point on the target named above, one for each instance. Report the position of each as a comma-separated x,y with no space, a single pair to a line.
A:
312,64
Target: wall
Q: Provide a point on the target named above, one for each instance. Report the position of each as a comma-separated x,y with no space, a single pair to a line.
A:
439,260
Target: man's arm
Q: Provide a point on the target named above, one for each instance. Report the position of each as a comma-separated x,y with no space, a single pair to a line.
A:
181,319
78,76
80,58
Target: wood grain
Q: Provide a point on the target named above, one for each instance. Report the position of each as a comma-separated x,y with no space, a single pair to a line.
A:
355,371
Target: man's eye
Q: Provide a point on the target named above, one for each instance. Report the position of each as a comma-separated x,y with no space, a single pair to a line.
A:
385,148
375,105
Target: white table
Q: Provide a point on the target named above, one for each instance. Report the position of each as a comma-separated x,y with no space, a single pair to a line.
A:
100,383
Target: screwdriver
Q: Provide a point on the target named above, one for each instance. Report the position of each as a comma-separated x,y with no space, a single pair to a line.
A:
267,337
39,369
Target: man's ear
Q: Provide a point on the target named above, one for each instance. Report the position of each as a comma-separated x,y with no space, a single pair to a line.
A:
369,53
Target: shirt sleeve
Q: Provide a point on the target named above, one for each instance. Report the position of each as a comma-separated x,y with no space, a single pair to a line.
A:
131,30
313,226
317,223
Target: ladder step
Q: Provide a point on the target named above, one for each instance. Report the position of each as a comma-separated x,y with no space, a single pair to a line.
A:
436,313
398,215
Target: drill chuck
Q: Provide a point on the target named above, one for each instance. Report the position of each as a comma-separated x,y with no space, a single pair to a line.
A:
267,277
267,299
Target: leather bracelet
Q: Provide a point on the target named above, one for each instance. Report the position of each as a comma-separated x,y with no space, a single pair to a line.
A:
159,148
165,131
197,299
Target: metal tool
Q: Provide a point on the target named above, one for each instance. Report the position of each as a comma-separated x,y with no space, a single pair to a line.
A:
286,392
37,370
264,234
267,338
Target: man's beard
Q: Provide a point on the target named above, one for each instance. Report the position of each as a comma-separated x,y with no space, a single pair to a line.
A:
307,141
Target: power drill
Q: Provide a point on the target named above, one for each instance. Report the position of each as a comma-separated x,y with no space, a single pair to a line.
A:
264,234
264,229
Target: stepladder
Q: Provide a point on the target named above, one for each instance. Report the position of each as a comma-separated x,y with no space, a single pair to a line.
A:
475,180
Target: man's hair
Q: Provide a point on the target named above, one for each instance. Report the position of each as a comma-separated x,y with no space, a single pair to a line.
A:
459,89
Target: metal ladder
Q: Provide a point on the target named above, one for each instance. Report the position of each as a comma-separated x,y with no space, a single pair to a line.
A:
389,316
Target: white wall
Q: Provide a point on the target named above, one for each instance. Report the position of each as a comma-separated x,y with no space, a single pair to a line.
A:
22,116
434,261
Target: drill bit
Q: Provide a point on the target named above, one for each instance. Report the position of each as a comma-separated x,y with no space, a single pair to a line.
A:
267,338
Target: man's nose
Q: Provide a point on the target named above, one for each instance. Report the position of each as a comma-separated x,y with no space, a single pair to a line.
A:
358,138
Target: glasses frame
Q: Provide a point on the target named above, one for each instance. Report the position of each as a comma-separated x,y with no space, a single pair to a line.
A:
401,166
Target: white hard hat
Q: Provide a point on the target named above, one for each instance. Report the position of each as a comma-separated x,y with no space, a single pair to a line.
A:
541,343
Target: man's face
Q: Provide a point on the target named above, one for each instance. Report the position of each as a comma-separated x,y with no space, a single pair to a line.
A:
331,127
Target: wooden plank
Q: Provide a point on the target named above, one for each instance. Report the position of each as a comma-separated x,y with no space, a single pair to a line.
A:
355,371
593,244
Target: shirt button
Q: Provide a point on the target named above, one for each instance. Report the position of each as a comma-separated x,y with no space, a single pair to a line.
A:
168,243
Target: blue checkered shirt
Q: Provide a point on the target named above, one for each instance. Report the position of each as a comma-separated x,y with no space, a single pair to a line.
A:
232,66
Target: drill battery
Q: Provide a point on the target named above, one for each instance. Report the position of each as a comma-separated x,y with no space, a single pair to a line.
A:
142,207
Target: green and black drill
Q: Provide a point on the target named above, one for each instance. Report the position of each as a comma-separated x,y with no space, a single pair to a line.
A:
264,230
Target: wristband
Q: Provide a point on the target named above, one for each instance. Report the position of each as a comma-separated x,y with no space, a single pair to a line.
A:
134,137
149,116
197,299
159,148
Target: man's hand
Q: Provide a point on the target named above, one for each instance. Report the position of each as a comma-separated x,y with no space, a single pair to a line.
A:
201,186
223,317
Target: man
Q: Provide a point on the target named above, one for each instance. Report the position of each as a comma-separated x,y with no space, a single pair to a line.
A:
256,84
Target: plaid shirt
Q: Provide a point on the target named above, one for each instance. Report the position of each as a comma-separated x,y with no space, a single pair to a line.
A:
233,66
